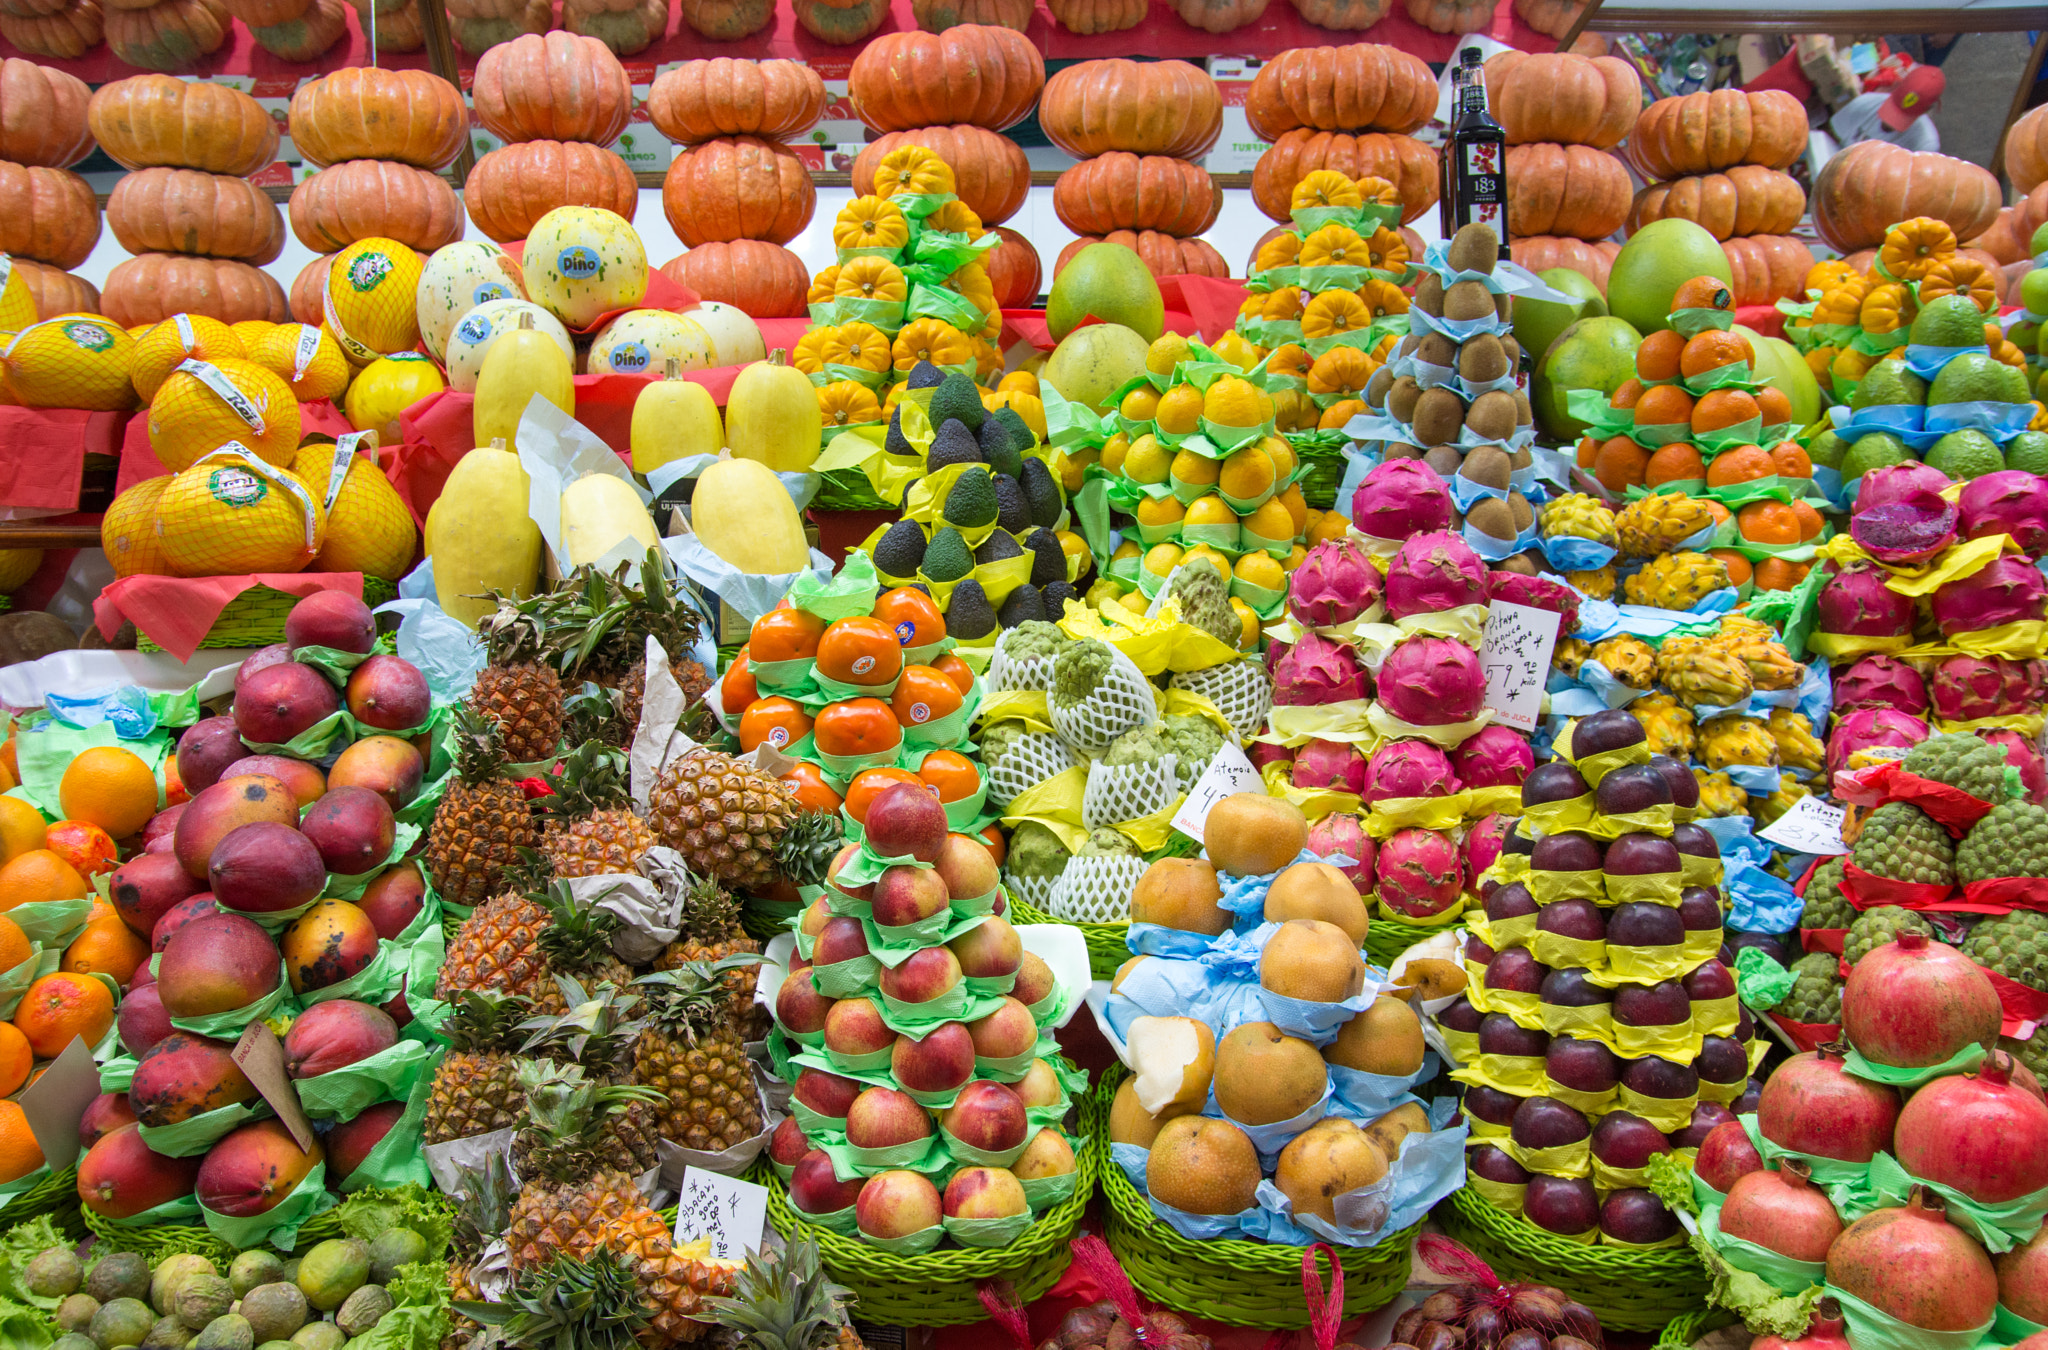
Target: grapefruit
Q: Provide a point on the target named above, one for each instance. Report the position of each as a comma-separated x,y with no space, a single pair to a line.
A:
1092,363
1538,322
1595,353
1656,261
1112,283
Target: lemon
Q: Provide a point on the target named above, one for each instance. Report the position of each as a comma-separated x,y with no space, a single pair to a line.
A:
1211,510
1074,546
1068,466
1147,461
1135,602
1234,402
1296,556
1261,569
1280,452
1238,350
1250,637
1195,470
1140,403
1290,409
1271,521
1127,549
1180,410
1167,352
1160,511
1113,451
1297,509
1161,559
1248,474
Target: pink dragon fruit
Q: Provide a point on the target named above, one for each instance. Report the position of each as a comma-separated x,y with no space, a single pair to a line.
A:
1518,588
1429,681
1868,727
1341,834
1263,753
1483,841
1908,529
1433,572
1881,682
1399,498
1275,649
1895,482
2012,502
2025,756
1329,764
2006,590
1496,757
1316,670
1408,769
1335,583
1964,688
1420,872
1857,603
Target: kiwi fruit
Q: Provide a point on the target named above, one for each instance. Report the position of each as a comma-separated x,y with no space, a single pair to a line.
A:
1520,458
1523,414
1402,450
1513,350
1437,350
1492,518
1488,466
1408,345
1503,307
1518,506
1429,295
1518,563
1492,416
1438,415
1376,388
1445,459
1482,359
1467,300
1402,398
1531,558
1475,248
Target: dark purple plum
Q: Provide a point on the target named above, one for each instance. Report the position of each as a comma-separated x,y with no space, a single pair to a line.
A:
1518,841
1496,1165
1685,789
1545,1122
1573,987
1517,970
1623,1139
1655,1076
1478,953
1491,1105
1511,901
1745,1025
1695,840
1565,1205
1608,729
1580,919
1460,1015
1721,1060
1556,781
1636,787
1706,1117
1774,945
1711,981
1500,1035
1583,1066
1567,852
1641,854
1745,1105
1635,1215
1662,1004
1642,924
1699,908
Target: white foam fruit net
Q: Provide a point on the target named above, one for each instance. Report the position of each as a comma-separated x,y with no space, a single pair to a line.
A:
1095,890
1029,761
1121,792
1033,891
1241,690
1125,699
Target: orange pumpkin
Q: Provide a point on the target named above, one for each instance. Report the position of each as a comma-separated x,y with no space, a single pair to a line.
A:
845,402
870,222
1960,276
1566,189
152,120
727,20
557,86
2026,150
309,289
186,211
1553,18
990,172
309,35
42,115
1096,16
931,340
66,35
763,280
1746,199
403,29
514,186
840,27
1700,133
703,100
1767,268
477,33
1145,107
737,187
1122,191
1403,161
975,73
151,287
1346,15
936,16
49,215
1451,16
1340,370
171,35
1219,16
1540,253
363,112
1555,96
1014,271
1362,87
57,291
256,14
624,30
364,197
1866,188
2002,241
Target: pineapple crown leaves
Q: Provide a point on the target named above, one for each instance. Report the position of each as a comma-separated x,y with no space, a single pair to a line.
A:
578,937
568,1111
783,1303
483,1202
698,903
531,874
590,712
516,632
607,621
807,847
596,1031
690,998
592,778
477,742
567,1304
485,1020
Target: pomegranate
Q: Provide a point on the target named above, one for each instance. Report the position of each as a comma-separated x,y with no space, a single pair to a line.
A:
1726,1156
1912,1263
1823,1332
1811,1106
2023,1278
1783,1212
1914,1002
1980,1133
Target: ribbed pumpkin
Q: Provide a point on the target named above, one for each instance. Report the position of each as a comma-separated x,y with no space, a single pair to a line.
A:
1347,16
361,198
363,112
1451,16
1700,133
1867,187
840,27
1747,199
186,211
49,215
727,20
987,76
1219,16
1555,96
2026,150
308,36
623,31
66,35
170,35
307,289
703,100
762,280
936,16
515,185
1145,107
2003,241
1096,16
479,25
1566,189
1403,161
57,291
1014,270
1767,268
149,120
153,286
990,172
42,115
1362,87
1163,254
737,187
1121,191
401,29
553,87
256,14
1552,18
1540,253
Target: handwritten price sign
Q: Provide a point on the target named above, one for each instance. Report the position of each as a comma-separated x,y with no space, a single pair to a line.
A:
1516,658
731,1212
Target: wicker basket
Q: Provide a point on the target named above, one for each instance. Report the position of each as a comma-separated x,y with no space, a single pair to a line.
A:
940,1288
55,1195
1627,1291
1106,947
1323,474
255,618
164,1239
1680,1333
1245,1284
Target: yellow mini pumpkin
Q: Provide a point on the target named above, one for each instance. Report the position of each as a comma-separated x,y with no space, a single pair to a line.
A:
1886,309
1028,406
860,345
956,217
821,286
912,168
2003,349
1960,276
1340,370
1821,361
932,340
988,362
842,403
1285,303
1381,297
1387,250
2039,421
1254,305
1334,246
1334,313
1290,359
1842,302
1824,276
1376,191
1324,187
1383,350
1337,414
1282,250
809,353
871,278
870,222
1913,247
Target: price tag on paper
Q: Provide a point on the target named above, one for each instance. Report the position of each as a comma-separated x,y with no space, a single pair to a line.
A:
730,1212
1516,658
1809,826
1227,775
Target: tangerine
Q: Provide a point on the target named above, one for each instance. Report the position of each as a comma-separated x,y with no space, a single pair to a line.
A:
38,875
1678,462
857,726
1712,350
1737,565
1619,464
106,946
1773,406
19,1152
1810,523
21,828
956,670
1790,460
738,689
1702,293
1776,574
1720,408
868,784
1741,465
913,614
775,721
1768,522
924,695
950,774
14,947
860,649
1626,393
1657,358
786,635
110,787
62,1005
998,848
16,1059
1664,405
813,793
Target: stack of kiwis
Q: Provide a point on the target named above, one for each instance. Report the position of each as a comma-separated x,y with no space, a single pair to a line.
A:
1437,414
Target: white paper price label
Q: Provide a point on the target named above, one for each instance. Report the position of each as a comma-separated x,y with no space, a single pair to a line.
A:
1516,658
730,1212
1227,775
1809,826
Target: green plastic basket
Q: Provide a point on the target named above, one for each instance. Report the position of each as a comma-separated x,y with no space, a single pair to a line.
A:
1388,938
1681,1332
1627,1291
1245,1284
1106,947
255,618
939,1289
848,490
165,1239
1322,475
55,1195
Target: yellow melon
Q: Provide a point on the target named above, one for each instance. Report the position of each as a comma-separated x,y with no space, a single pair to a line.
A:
306,358
233,512
17,304
473,335
202,405
457,279
248,330
181,337
387,387
372,297
128,530
74,361
369,529
644,341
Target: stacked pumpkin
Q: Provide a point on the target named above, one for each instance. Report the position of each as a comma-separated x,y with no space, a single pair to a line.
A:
1720,157
1137,128
1870,186
479,25
200,230
300,30
63,31
1566,194
732,114
558,100
49,219
170,35
1347,109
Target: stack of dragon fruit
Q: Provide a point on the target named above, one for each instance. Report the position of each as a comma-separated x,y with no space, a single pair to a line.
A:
1378,727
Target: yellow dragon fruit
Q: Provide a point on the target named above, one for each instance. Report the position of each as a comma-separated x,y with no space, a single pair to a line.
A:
1719,796
1768,809
1649,526
1798,747
1570,654
1737,740
1577,515
1755,644
1676,580
1598,583
1698,673
1667,725
1629,659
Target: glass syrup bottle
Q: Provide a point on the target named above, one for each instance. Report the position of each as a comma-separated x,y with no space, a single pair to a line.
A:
1476,155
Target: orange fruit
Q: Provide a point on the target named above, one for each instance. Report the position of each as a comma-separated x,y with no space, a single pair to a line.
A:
7,755
39,875
1588,448
1789,460
1737,565
1626,394
110,787
951,774
868,783
1775,574
87,847
174,783
860,650
60,1006
14,947
1702,293
1773,405
1657,358
106,947
785,635
21,828
1809,521
19,1152
1619,463
16,1059
1678,462
813,793
1722,408
1717,511
1664,405
1768,522
7,780
998,848
857,726
913,614
956,670
738,689
1711,350
1740,465
924,695
776,721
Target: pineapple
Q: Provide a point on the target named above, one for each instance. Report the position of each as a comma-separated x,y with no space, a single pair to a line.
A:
516,688
598,628
597,1034
691,1053
567,1304
519,943
482,821
481,1209
732,822
787,1302
709,919
476,1087
591,829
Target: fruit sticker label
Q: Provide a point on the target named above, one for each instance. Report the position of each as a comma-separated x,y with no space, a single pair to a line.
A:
248,483
489,290
579,262
1516,658
236,487
302,354
630,358
187,339
1227,775
91,336
224,389
473,329
367,271
730,1212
